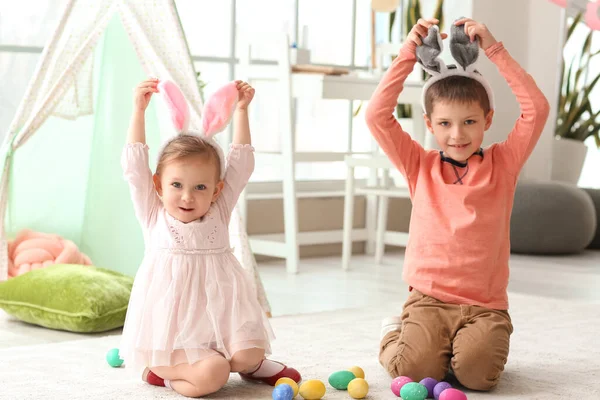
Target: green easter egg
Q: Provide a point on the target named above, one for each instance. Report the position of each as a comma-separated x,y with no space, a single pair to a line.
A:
113,359
313,389
413,391
341,379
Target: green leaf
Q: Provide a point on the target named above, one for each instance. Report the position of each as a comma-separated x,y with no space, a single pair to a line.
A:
576,112
573,26
585,54
568,80
408,17
392,19
586,128
439,13
355,113
403,111
418,13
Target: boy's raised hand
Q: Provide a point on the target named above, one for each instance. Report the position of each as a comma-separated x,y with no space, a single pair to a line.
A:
420,30
476,29
143,92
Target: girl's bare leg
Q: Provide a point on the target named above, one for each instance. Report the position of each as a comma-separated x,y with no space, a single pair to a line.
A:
198,379
247,360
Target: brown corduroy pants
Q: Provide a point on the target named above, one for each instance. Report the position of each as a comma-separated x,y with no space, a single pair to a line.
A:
472,340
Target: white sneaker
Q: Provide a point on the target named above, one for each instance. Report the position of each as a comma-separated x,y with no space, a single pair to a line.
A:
390,324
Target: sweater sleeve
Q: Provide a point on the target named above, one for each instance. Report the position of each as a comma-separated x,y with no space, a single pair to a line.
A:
401,149
521,141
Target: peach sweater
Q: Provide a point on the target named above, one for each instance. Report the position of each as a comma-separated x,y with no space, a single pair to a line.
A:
458,247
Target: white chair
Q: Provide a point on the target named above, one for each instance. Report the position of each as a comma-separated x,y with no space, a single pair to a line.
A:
290,86
280,73
382,193
380,187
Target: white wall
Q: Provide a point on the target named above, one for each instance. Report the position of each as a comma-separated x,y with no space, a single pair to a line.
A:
546,39
531,31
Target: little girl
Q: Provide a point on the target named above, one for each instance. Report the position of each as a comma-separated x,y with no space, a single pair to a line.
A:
193,315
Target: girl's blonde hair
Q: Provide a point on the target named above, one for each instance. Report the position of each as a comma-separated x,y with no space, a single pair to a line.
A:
185,145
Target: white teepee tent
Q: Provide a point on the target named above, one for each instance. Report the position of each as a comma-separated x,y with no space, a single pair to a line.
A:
80,98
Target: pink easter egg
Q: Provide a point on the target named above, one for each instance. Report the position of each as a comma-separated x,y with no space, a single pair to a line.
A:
398,382
453,394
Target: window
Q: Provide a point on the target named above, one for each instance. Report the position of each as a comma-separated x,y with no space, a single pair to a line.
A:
329,24
16,70
207,26
28,22
20,49
210,27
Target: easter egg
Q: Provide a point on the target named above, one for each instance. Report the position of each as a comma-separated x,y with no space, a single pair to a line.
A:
341,379
113,359
429,383
357,371
413,391
312,389
290,382
453,394
398,382
283,392
439,388
358,388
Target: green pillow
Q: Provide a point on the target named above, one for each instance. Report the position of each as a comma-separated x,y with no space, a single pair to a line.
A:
68,297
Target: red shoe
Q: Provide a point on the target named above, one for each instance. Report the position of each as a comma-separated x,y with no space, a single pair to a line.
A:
151,378
286,372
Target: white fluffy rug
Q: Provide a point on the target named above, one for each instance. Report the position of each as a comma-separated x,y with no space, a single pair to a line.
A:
555,354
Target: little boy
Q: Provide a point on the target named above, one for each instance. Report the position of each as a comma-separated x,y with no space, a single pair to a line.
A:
456,262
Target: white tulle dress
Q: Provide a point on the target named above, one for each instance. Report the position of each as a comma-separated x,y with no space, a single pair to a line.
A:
191,297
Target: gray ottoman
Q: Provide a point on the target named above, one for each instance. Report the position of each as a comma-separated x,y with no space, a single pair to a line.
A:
595,195
551,218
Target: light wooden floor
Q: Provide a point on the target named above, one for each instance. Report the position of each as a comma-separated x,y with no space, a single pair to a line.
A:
321,284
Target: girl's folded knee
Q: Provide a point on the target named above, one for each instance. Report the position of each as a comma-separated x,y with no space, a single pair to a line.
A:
244,360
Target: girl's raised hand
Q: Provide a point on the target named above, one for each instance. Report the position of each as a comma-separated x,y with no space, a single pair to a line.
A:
143,92
246,94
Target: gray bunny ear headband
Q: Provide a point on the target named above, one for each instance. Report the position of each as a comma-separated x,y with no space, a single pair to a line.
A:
463,51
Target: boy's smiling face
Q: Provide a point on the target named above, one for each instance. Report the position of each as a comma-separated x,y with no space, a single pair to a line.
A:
458,127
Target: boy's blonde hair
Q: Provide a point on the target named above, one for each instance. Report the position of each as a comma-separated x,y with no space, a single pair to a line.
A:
459,89
185,145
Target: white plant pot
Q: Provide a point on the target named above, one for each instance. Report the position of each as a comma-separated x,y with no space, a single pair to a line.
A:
568,156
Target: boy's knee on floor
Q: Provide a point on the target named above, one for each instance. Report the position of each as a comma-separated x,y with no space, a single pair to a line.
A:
416,367
477,370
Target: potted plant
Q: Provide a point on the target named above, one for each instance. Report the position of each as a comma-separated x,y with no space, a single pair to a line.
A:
411,10
576,119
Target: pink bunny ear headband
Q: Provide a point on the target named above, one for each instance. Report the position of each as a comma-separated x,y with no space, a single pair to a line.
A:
216,114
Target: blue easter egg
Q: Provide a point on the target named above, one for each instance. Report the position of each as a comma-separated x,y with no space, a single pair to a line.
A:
283,392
